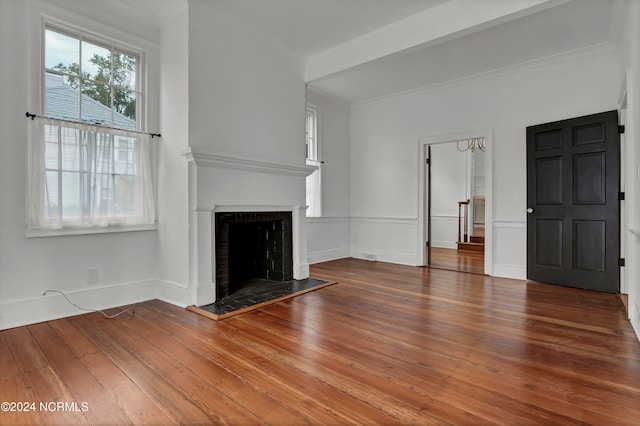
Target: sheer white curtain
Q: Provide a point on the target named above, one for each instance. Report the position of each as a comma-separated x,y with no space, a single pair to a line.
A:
83,175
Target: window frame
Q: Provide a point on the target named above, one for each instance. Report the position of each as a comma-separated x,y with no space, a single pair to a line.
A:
314,137
103,41
315,160
51,18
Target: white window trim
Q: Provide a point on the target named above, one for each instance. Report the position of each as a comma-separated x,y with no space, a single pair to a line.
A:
46,232
317,174
41,14
107,42
316,146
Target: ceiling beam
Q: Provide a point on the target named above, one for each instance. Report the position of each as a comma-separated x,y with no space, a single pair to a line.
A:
446,21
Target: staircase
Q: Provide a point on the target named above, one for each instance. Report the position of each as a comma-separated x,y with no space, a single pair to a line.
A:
475,241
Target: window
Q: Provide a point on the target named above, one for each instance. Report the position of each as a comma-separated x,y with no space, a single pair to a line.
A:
89,165
314,180
312,130
89,81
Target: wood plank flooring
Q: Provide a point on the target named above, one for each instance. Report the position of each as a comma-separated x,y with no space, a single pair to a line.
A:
388,344
457,260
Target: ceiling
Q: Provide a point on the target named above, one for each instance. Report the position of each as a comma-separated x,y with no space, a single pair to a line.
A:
151,13
568,28
310,27
305,27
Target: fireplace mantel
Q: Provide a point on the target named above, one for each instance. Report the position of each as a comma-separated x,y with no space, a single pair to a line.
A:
207,159
221,183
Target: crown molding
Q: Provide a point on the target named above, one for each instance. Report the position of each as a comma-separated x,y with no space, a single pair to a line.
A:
596,49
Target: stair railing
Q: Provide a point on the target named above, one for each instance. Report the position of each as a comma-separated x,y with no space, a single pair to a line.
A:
463,221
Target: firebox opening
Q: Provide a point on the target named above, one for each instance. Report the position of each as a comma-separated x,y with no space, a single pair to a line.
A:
250,248
255,251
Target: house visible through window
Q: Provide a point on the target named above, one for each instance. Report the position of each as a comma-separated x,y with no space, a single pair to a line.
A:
89,164
90,81
314,181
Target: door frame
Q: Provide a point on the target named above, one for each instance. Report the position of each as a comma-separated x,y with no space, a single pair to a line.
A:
423,143
626,175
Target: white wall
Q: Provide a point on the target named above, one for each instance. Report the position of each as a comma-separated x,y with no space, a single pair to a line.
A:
126,262
384,170
246,133
328,236
247,94
173,207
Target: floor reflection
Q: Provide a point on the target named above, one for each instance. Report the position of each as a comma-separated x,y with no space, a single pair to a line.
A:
457,260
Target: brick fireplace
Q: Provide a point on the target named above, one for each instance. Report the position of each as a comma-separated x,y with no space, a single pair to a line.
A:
250,245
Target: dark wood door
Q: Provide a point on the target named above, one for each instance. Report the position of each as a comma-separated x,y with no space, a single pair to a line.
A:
573,181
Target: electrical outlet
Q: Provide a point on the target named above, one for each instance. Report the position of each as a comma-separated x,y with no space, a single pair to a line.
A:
92,275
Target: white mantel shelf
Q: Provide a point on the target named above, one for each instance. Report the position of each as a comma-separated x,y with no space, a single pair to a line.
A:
206,159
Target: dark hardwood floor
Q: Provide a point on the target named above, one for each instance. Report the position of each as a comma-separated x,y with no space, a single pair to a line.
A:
388,344
457,260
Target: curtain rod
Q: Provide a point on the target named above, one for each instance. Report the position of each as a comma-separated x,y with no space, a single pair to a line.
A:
33,117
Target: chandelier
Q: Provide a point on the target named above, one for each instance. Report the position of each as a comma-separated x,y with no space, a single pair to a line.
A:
470,145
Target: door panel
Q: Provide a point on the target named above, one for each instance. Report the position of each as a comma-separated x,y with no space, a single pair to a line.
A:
589,178
549,183
548,140
589,245
549,247
573,182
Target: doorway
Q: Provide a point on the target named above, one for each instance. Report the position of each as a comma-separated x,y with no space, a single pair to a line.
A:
455,201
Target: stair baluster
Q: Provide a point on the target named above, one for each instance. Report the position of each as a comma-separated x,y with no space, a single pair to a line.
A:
463,220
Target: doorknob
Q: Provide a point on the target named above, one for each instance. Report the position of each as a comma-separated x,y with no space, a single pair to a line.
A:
530,210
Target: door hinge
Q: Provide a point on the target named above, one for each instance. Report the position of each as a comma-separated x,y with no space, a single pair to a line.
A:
621,196
621,262
428,160
621,128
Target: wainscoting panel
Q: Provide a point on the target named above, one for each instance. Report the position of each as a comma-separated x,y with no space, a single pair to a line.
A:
510,249
327,238
385,239
444,231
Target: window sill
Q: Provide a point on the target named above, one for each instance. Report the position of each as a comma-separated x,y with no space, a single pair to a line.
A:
44,232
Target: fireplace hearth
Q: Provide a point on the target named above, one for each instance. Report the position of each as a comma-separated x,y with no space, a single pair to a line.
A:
252,245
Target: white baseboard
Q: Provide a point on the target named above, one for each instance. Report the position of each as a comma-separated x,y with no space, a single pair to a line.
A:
444,244
384,256
328,255
515,272
174,293
53,306
634,317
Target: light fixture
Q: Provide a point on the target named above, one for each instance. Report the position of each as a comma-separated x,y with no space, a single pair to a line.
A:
471,145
